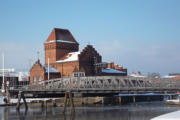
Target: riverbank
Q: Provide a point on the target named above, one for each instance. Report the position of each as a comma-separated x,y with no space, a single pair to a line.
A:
85,101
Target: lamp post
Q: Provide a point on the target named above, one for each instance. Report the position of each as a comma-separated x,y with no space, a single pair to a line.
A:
62,70
48,69
2,88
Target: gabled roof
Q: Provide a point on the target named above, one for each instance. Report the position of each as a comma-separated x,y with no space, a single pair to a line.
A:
61,35
81,69
51,69
89,48
75,69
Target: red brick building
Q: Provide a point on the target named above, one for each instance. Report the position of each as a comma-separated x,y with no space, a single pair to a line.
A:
64,56
84,60
112,69
39,72
63,52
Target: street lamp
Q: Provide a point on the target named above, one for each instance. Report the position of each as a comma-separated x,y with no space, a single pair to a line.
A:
2,88
48,69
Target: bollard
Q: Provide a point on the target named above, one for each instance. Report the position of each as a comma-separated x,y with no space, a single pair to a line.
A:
19,99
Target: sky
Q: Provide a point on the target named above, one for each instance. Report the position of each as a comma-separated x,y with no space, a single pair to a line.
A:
140,35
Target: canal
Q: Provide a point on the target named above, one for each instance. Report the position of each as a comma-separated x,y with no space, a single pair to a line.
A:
137,111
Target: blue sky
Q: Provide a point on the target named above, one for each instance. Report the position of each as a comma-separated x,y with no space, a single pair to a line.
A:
142,35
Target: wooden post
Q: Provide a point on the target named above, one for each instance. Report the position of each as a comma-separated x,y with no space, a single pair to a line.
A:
45,102
24,99
21,95
71,102
120,100
82,102
65,102
19,100
7,95
102,99
42,104
68,99
54,103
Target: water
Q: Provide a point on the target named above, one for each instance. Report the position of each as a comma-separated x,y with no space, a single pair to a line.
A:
138,111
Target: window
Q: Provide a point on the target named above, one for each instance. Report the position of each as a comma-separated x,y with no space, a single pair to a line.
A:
34,79
79,74
75,74
39,78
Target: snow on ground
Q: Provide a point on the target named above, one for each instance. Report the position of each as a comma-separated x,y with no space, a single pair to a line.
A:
169,116
27,100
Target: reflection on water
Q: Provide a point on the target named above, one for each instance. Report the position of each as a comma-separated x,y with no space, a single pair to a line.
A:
140,111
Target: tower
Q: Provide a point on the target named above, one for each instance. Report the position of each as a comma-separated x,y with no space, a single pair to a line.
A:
59,43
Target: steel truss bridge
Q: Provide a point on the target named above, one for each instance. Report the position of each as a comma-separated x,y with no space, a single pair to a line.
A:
92,86
103,84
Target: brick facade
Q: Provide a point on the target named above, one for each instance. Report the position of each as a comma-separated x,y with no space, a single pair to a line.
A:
87,60
54,49
38,73
116,67
66,68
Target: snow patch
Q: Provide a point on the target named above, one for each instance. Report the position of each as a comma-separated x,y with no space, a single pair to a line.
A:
72,56
141,76
62,41
169,76
51,69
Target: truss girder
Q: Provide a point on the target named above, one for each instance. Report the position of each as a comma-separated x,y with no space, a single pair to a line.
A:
104,83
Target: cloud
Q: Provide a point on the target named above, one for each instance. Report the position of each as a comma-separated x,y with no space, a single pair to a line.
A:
162,58
20,56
